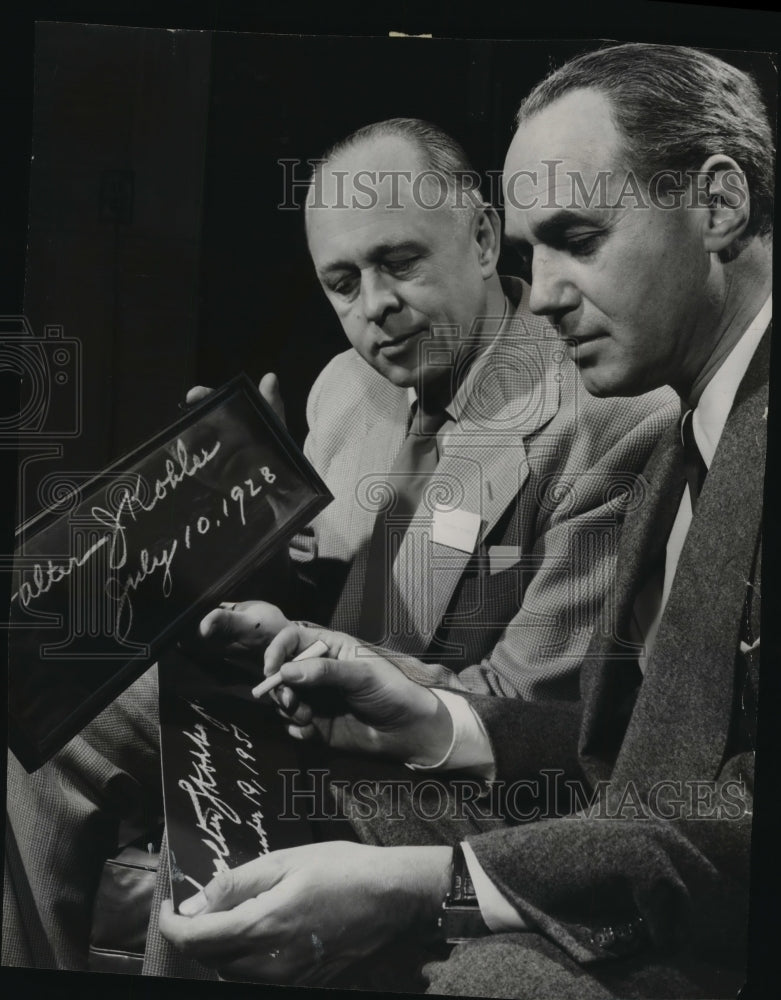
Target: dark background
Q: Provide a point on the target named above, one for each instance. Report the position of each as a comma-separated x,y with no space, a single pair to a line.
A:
198,276
155,236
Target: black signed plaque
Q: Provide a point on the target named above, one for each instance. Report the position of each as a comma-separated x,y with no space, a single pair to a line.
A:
101,588
229,777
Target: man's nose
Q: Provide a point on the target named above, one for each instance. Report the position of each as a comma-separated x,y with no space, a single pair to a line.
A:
553,292
379,297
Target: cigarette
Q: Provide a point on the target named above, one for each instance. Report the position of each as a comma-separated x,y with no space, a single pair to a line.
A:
317,648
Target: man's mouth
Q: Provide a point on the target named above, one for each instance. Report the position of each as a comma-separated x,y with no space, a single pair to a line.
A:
575,340
579,346
398,341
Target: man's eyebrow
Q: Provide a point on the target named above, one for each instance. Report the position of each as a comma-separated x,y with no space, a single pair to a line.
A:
553,227
388,247
378,253
550,229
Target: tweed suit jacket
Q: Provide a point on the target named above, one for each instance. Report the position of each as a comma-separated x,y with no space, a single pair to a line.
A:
650,867
541,462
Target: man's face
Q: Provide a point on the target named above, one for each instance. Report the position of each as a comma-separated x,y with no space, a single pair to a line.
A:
391,273
627,286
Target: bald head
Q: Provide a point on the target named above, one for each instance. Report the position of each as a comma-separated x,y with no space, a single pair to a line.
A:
371,165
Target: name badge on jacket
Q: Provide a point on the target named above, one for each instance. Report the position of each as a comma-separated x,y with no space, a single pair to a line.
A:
457,529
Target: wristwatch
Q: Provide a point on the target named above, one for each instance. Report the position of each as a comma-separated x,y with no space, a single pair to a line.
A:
460,918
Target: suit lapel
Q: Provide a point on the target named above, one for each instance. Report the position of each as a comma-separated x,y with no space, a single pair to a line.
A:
513,393
681,720
608,679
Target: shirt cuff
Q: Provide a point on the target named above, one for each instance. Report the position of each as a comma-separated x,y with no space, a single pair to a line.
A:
499,915
470,748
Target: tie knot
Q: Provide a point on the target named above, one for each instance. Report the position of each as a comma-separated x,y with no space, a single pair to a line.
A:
425,424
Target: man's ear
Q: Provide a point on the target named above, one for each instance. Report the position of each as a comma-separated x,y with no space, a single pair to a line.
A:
488,236
729,203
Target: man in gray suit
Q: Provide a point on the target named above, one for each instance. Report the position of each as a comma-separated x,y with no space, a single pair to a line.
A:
643,890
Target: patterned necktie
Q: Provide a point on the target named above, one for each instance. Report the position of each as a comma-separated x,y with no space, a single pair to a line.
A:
407,482
696,469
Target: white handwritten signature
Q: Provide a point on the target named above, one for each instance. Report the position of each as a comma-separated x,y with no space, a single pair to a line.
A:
130,503
211,811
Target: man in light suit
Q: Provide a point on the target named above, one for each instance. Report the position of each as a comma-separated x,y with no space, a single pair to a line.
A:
535,467
643,890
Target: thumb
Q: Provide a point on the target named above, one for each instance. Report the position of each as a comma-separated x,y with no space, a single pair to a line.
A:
230,888
221,623
287,643
269,390
197,393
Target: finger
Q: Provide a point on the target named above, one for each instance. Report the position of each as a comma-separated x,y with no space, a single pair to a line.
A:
197,393
285,645
287,714
283,700
349,676
213,938
229,889
303,732
249,932
301,715
213,624
269,390
226,623
286,698
241,605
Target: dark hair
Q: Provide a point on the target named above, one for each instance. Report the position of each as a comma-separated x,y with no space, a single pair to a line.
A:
440,152
675,107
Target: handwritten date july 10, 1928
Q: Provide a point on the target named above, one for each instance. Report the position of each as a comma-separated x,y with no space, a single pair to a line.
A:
132,505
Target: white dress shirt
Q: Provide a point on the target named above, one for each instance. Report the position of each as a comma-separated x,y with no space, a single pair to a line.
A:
470,747
708,422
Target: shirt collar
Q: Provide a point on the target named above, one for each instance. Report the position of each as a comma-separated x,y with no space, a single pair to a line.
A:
711,414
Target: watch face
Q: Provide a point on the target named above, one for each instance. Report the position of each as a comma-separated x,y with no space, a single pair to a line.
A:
461,923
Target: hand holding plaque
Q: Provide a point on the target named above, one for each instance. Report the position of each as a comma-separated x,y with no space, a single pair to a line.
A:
114,575
302,915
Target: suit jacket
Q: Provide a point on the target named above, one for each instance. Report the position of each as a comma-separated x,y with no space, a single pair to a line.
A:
663,861
547,468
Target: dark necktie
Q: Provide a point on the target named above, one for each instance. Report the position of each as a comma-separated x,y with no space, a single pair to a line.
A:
407,481
696,469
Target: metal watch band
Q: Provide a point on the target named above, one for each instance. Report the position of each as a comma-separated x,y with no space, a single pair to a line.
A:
462,891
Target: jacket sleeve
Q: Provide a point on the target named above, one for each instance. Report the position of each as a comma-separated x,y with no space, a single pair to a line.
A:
667,867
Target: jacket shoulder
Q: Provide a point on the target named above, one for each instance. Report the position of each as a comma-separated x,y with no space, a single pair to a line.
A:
615,417
346,380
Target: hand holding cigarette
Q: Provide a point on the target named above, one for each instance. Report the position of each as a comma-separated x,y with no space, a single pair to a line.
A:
318,648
